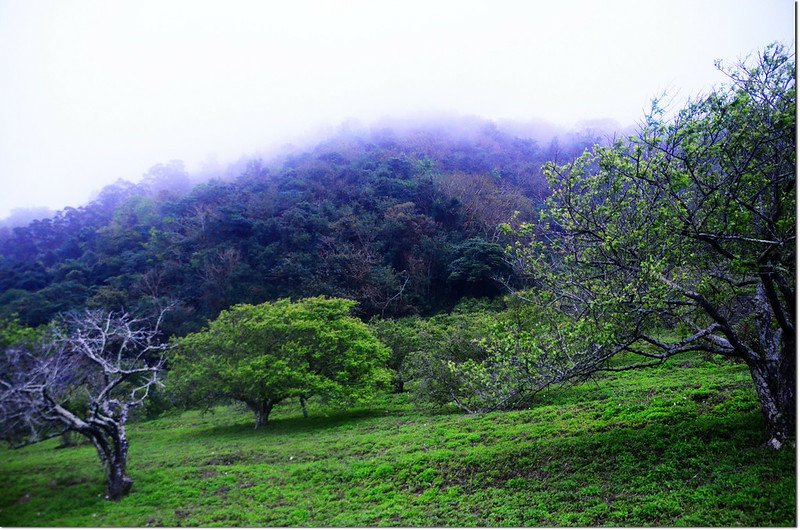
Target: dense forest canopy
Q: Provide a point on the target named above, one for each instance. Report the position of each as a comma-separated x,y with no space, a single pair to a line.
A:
402,221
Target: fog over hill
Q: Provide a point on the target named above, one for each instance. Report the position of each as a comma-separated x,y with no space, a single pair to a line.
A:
449,125
94,92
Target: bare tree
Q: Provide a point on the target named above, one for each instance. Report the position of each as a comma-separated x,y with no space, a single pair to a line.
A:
485,203
85,376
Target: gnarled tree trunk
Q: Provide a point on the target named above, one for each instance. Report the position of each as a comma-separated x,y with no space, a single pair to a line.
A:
118,483
775,383
773,366
262,410
112,447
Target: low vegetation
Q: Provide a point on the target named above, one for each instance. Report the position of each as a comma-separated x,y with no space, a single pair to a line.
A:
665,446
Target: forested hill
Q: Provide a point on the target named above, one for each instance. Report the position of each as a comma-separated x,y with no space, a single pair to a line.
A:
401,222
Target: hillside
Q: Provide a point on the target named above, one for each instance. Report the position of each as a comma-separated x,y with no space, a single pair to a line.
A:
379,218
674,446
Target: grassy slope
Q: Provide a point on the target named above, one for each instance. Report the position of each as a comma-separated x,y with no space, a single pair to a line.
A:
657,447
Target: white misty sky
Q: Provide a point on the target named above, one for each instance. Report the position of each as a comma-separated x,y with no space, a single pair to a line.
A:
92,91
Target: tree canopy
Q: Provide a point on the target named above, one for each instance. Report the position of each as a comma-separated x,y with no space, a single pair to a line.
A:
260,355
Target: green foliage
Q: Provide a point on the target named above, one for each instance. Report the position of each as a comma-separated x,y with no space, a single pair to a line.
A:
513,365
478,263
662,447
691,222
403,339
443,340
263,354
12,333
483,358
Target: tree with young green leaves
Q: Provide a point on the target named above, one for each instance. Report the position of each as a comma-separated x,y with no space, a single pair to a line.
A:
444,343
690,227
260,355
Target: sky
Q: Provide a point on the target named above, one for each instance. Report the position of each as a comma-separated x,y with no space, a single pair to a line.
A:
94,91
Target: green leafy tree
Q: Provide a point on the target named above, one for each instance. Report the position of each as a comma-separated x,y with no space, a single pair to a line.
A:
445,342
689,226
518,353
479,267
263,354
402,336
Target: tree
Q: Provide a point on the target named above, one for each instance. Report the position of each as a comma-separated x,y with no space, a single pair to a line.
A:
479,262
519,352
402,338
263,354
12,333
84,375
687,227
486,202
442,344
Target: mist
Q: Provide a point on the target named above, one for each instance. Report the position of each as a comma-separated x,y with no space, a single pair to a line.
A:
96,91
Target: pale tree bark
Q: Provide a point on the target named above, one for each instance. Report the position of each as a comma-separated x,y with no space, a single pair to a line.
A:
774,371
114,359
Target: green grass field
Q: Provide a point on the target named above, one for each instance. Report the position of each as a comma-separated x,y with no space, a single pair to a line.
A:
678,445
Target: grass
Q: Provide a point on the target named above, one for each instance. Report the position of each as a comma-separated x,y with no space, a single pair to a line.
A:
679,445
